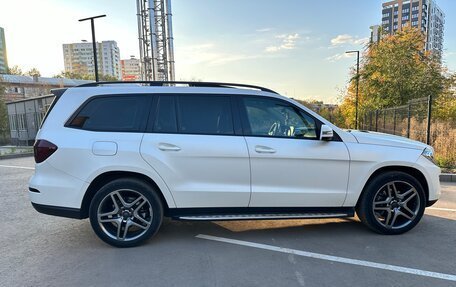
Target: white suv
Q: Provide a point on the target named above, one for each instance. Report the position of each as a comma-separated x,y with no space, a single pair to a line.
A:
127,154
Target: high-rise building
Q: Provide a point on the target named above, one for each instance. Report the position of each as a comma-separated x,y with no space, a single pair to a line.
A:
3,57
422,14
131,70
78,58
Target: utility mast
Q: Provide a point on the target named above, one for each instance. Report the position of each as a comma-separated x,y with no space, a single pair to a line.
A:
155,35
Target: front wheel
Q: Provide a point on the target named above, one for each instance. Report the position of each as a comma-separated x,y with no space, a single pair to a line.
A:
125,212
392,203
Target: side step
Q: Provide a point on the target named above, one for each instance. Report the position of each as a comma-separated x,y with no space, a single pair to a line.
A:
265,216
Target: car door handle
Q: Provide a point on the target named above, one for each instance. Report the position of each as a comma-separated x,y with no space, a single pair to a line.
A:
168,147
264,149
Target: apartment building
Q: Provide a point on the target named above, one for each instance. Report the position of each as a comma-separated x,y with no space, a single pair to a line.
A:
78,58
3,56
422,14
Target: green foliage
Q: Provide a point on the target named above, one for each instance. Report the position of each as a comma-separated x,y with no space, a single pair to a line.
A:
3,111
91,77
15,70
33,72
445,104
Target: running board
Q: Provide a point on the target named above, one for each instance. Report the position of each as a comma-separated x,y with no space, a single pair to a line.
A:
226,217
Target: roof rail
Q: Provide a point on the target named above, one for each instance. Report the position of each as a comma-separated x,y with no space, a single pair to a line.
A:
190,84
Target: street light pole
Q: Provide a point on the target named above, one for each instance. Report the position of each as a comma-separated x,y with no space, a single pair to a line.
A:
94,43
357,86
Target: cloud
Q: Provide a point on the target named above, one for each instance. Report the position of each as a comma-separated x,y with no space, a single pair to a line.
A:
338,57
288,42
262,30
210,54
348,39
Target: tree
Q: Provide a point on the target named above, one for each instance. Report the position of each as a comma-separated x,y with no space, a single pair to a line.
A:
3,111
33,72
394,71
15,70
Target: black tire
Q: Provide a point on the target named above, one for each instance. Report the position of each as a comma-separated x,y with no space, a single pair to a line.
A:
146,214
377,191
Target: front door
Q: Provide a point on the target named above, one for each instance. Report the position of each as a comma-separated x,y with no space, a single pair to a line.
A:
290,166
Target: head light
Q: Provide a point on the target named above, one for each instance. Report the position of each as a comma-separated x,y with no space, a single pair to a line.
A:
429,154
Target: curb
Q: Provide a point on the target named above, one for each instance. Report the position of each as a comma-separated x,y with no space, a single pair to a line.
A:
448,177
18,155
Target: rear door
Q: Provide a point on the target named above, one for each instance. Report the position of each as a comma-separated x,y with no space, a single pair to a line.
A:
195,144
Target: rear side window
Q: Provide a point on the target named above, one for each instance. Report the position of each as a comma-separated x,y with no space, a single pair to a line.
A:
113,113
209,114
165,121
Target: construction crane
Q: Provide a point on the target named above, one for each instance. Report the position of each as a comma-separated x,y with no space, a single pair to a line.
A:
155,35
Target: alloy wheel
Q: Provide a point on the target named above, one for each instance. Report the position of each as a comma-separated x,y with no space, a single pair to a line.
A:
124,214
396,204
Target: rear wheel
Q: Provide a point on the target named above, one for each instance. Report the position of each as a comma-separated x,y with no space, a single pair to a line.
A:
125,212
392,203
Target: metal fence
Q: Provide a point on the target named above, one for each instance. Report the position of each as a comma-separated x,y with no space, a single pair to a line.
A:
413,120
416,121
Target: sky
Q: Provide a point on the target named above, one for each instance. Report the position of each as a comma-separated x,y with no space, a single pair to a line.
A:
295,47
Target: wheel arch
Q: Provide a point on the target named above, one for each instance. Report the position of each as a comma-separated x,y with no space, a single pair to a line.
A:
406,169
108,176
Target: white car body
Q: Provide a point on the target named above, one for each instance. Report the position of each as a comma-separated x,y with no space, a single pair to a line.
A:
211,171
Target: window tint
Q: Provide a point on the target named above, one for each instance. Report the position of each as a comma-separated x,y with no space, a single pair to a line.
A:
115,113
165,121
269,117
205,115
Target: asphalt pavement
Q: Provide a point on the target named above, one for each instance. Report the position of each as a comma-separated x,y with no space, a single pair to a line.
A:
42,250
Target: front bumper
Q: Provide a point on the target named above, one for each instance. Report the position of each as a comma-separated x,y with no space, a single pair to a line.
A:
432,174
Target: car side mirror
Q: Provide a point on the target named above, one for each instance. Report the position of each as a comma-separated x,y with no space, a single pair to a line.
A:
326,133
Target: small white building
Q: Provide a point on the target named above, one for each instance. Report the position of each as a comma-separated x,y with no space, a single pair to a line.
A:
131,69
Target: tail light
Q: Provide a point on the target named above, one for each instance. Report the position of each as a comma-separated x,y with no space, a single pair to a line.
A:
43,149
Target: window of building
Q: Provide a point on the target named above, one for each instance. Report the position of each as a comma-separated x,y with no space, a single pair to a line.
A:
205,115
113,113
21,122
274,118
13,122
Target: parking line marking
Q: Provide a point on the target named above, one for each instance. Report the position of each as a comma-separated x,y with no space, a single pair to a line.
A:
442,209
15,166
364,263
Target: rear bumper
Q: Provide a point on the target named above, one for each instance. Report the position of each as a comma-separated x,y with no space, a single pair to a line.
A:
58,211
55,187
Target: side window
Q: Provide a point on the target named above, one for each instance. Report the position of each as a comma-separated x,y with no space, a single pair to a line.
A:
209,114
114,113
270,117
165,121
